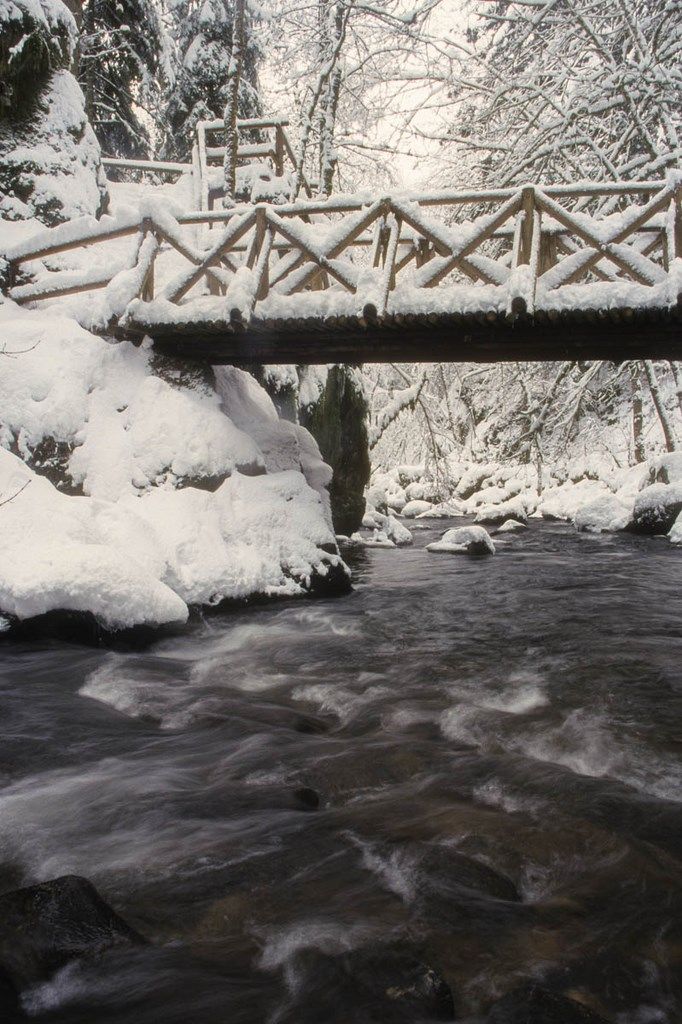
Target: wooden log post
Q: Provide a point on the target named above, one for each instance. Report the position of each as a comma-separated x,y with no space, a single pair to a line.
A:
279,150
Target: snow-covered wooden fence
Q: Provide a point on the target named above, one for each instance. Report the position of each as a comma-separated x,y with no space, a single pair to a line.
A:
262,165
358,270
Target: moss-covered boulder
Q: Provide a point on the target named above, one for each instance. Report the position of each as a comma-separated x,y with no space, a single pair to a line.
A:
337,419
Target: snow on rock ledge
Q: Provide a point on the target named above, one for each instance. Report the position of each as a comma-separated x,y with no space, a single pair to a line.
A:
141,561
464,540
189,496
55,555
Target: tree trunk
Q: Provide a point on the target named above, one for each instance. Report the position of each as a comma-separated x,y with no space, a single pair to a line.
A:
659,406
677,377
637,415
331,27
234,74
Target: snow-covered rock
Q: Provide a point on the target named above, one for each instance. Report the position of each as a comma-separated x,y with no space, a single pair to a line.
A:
143,560
388,526
396,500
564,501
444,510
511,526
379,539
50,161
142,543
666,469
512,509
656,508
469,540
415,508
57,554
606,514
123,427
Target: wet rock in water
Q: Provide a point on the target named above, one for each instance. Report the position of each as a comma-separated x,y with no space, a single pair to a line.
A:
333,580
10,1007
443,868
533,1004
310,726
307,798
656,508
464,540
43,927
383,983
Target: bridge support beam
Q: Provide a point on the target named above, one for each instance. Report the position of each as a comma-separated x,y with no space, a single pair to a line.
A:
484,343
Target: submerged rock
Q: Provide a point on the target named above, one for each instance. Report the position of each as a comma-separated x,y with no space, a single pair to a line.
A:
444,868
532,1004
467,540
43,927
656,508
10,1007
385,984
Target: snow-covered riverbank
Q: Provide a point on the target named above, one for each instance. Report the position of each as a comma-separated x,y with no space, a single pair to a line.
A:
594,496
133,488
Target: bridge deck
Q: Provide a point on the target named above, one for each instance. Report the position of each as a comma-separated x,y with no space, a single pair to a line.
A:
583,271
445,338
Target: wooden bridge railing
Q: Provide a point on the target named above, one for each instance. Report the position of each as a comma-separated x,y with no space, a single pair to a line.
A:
274,148
495,255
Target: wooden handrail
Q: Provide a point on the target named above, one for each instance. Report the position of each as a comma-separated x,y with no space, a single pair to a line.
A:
64,238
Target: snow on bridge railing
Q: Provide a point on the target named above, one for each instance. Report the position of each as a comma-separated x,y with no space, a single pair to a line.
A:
492,254
272,147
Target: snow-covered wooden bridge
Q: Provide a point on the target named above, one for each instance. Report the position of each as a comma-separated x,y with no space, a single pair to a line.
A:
570,271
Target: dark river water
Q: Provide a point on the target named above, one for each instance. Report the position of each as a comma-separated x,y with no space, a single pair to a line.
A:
283,784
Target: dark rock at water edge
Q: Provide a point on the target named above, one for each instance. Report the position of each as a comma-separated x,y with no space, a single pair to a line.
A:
44,927
383,984
79,627
533,1004
656,509
337,421
334,583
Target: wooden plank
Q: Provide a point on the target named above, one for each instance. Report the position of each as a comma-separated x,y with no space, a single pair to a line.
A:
62,284
160,166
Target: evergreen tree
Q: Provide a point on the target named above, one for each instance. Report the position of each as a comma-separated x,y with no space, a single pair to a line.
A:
203,36
121,52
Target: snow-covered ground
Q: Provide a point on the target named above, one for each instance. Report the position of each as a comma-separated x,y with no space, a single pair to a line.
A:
133,487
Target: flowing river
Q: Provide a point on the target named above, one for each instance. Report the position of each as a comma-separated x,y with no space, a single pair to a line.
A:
476,758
